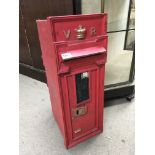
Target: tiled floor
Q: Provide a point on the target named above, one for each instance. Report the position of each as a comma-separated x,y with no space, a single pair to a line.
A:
39,133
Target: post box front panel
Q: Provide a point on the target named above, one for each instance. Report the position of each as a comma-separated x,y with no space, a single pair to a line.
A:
83,102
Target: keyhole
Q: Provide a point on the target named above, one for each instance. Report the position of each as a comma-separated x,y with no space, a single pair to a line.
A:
77,112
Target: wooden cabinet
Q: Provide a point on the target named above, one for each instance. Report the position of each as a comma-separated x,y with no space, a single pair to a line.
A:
30,61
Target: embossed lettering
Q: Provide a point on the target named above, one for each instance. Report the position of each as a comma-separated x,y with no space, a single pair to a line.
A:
67,34
93,31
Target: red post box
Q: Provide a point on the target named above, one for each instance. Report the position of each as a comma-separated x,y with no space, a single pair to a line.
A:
74,52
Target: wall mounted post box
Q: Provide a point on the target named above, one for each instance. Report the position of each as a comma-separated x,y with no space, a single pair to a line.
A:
74,52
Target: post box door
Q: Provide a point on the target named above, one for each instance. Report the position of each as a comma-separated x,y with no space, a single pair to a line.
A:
82,89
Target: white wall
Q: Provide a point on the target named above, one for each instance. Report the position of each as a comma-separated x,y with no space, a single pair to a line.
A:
91,6
117,14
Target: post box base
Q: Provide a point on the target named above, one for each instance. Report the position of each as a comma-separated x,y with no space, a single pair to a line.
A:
84,138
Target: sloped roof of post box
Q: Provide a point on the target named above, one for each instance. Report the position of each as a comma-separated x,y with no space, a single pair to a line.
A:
63,24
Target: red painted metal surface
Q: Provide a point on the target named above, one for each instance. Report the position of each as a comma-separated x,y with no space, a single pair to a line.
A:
73,45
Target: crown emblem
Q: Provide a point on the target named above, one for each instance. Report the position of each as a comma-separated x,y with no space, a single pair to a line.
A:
80,32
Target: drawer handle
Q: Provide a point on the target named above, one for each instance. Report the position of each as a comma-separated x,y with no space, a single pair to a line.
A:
77,131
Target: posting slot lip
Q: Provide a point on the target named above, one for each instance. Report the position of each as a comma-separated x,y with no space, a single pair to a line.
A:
73,54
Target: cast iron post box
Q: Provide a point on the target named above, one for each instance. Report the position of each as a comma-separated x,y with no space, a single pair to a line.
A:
74,52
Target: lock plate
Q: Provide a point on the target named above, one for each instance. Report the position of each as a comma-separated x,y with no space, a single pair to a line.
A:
79,111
